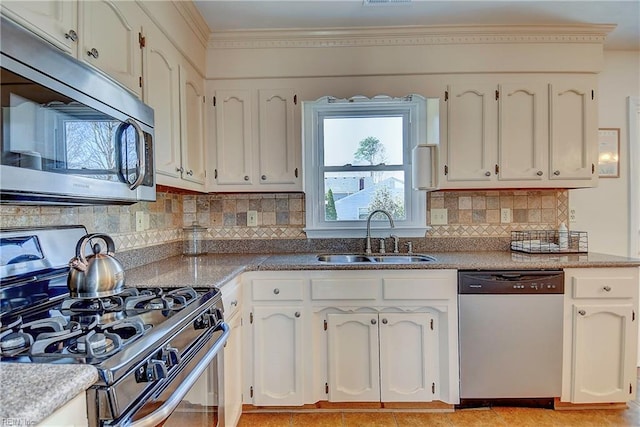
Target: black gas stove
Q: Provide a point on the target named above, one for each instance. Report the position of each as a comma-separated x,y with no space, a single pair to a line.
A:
148,344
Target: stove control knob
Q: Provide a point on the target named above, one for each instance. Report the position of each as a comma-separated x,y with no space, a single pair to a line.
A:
153,370
170,356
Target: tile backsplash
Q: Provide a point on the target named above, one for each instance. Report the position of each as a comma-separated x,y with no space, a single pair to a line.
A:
282,215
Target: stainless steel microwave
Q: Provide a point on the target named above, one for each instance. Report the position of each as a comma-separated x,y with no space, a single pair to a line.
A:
70,135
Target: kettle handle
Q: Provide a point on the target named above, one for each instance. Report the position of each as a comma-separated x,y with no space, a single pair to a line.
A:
82,243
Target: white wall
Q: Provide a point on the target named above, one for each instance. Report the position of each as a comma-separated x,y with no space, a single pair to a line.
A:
603,212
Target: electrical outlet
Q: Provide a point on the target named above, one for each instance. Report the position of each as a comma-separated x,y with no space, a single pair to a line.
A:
139,221
572,215
252,218
505,215
439,217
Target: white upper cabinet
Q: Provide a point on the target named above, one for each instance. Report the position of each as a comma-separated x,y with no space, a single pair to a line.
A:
234,155
517,134
573,135
257,140
105,34
109,40
54,20
162,93
192,125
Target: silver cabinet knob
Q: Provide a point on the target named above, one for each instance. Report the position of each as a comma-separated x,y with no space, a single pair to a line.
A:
373,321
297,314
582,312
246,177
263,177
190,172
556,173
487,173
607,288
539,173
384,321
93,52
234,303
180,169
71,35
276,291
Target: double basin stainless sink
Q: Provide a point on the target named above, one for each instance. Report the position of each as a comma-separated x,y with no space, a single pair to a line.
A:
374,258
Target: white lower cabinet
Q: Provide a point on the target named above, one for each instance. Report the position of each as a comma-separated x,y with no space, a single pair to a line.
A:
388,357
278,356
601,335
232,370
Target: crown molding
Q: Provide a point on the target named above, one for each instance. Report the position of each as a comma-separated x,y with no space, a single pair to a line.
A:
409,36
194,19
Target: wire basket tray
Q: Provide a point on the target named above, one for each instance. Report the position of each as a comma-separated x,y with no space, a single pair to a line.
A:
549,241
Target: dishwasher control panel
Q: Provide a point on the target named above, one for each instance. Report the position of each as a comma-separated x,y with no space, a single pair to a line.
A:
511,282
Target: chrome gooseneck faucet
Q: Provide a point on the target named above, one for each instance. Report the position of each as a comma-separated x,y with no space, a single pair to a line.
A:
368,248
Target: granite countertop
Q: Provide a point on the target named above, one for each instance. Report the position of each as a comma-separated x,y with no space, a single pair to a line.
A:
33,391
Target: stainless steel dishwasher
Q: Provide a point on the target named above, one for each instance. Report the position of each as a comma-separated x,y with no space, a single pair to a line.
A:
510,325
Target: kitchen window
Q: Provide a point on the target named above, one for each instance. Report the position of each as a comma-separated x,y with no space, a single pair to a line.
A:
357,158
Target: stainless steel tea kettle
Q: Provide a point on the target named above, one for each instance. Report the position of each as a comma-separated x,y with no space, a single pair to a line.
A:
97,275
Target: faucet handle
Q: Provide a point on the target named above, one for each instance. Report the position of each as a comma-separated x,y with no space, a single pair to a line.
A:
395,243
383,249
409,246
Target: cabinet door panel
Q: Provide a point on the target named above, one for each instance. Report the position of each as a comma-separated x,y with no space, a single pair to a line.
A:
162,93
192,109
408,357
603,336
233,137
278,154
471,133
354,374
572,133
112,29
521,132
51,19
277,337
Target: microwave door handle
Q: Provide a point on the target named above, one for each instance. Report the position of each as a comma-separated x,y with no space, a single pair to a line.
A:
164,411
140,147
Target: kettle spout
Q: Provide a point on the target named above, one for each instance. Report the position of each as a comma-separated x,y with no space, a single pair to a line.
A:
77,264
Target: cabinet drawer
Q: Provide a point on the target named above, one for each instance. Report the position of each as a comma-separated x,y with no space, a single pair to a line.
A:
230,299
418,288
278,290
344,289
613,286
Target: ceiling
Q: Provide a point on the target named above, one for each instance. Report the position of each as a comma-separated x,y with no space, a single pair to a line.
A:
224,15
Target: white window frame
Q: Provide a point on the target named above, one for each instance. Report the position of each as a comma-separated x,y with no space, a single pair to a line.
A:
415,224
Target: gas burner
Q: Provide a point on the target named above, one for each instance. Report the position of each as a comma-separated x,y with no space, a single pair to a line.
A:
101,305
12,343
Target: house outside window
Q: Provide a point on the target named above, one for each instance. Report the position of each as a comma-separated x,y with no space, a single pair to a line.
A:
357,158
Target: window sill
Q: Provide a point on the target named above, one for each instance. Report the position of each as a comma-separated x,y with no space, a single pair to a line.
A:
337,232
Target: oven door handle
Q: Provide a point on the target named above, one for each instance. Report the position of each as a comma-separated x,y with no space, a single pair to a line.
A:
164,411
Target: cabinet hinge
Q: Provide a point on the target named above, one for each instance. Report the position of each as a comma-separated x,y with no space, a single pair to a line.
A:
497,94
593,94
497,169
326,388
204,100
214,101
433,388
250,317
140,81
295,99
633,315
296,172
630,388
446,170
142,40
431,324
593,168
215,173
325,325
251,391
446,95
